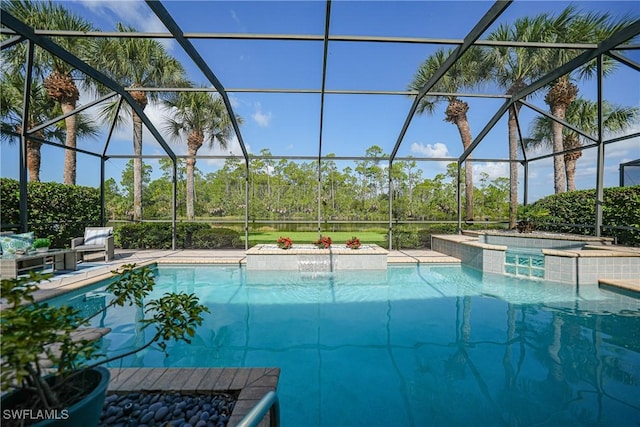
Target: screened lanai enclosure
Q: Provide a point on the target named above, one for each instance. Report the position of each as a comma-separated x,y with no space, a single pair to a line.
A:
324,115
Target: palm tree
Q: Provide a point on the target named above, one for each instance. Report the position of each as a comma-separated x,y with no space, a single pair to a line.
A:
42,108
468,72
513,69
59,77
11,89
572,27
137,63
199,116
582,114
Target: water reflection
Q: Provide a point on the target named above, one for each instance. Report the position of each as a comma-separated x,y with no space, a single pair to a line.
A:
431,346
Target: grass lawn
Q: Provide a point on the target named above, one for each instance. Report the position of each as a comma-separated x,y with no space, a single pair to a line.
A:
302,237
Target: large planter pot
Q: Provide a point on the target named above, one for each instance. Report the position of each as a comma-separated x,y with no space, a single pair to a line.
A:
83,413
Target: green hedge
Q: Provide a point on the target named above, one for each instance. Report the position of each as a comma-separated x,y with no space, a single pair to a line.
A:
621,208
58,211
189,235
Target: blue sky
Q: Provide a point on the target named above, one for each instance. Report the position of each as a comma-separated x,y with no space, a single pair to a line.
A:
288,124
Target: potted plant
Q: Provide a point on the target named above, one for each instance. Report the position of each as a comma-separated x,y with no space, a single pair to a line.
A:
530,216
354,243
73,392
284,242
42,244
323,242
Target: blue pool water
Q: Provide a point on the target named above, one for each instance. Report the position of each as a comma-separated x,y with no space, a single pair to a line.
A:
413,346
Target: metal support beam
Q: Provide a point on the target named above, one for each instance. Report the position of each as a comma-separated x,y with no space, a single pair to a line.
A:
390,189
315,38
606,45
316,91
103,221
26,102
174,202
178,35
526,183
626,61
10,42
525,162
70,113
600,159
482,25
48,45
246,206
459,196
112,127
519,129
325,54
557,120
55,144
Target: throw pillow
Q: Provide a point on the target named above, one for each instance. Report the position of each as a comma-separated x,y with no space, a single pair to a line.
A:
97,236
12,242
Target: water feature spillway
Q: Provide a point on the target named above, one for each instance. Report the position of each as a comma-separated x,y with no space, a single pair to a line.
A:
311,259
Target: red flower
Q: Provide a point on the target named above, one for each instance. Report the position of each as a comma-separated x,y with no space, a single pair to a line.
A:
353,243
323,242
284,242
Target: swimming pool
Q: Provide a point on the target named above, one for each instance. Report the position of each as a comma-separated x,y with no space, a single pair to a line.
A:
415,345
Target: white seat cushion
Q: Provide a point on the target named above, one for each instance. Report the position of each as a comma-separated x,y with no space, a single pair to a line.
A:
97,236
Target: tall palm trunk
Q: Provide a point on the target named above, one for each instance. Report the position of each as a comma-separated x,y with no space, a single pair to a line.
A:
33,159
137,167
512,124
62,88
513,166
141,99
558,98
457,113
70,155
570,160
560,183
194,142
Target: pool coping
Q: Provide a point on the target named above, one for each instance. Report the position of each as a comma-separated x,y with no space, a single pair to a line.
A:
252,383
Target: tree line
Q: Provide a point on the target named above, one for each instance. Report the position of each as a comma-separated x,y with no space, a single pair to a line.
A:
281,189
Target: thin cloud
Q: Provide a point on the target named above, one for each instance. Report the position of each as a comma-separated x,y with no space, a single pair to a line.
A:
493,170
261,118
430,150
134,13
236,19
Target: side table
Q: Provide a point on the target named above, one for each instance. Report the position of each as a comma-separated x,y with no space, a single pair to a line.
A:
12,265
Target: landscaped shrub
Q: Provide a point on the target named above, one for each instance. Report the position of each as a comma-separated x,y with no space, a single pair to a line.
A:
621,208
215,238
185,232
404,237
58,211
143,235
189,235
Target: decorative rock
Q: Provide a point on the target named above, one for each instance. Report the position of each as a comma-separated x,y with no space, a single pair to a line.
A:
161,413
146,417
155,406
141,409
